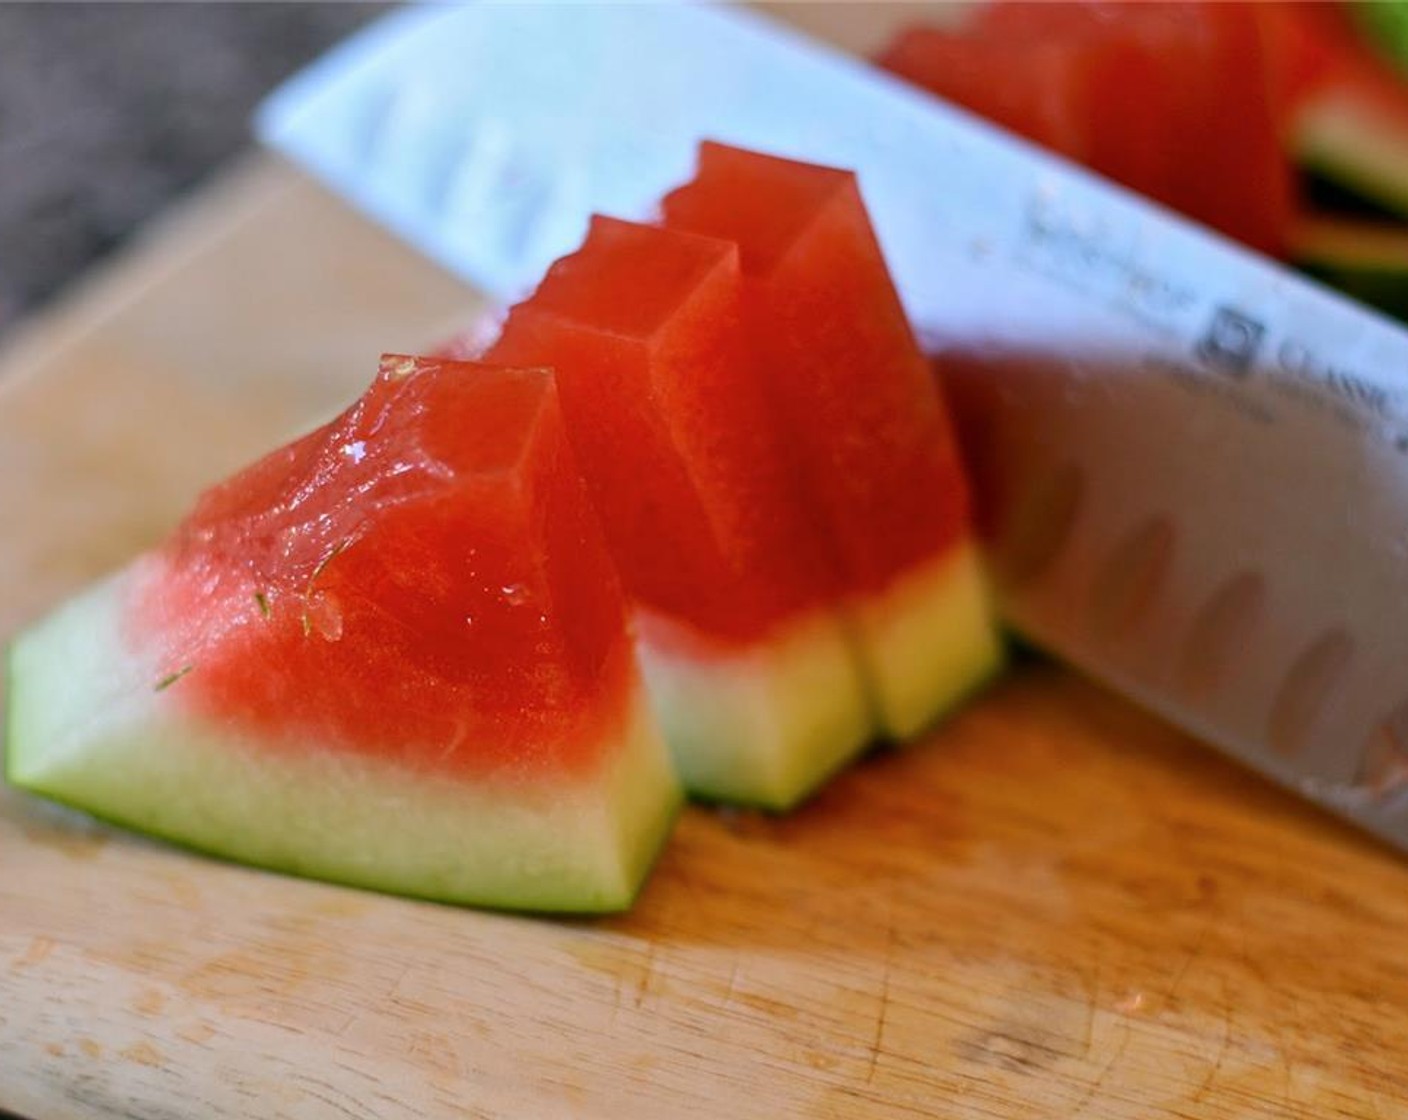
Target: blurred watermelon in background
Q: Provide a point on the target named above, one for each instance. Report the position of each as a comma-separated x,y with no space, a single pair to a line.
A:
1282,125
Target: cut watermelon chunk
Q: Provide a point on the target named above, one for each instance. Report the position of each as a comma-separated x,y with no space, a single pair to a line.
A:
735,593
392,654
852,392
1138,92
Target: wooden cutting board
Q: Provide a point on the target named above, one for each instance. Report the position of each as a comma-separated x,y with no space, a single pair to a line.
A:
1053,907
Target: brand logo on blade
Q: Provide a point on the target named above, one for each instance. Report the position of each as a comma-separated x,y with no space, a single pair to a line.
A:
1230,342
1061,241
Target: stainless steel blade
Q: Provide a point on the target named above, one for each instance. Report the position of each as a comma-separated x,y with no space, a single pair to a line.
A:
1195,464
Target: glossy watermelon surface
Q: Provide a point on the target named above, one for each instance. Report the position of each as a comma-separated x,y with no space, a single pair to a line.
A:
852,389
645,328
422,577
735,586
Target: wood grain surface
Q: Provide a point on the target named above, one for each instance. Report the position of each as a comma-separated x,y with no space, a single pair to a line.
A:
1053,907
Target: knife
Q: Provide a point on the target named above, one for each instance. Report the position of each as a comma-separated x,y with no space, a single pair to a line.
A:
1192,464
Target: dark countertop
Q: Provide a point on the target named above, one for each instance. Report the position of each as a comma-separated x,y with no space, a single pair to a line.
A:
109,111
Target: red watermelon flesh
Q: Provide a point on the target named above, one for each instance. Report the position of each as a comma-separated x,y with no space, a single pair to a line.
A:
645,329
393,653
1231,170
850,390
1052,104
1057,93
1156,82
1314,45
439,529
734,585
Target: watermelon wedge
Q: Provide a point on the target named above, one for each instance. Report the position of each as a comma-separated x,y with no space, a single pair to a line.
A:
391,654
735,593
861,416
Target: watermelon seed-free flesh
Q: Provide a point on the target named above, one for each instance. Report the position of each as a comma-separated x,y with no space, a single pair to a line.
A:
862,417
735,590
1170,99
392,654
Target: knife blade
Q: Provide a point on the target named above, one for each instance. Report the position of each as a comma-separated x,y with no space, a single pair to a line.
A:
1192,464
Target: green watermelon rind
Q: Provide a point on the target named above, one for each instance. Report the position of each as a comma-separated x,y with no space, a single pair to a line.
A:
928,641
87,727
763,724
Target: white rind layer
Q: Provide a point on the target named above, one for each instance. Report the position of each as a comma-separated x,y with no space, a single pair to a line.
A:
927,640
88,727
763,724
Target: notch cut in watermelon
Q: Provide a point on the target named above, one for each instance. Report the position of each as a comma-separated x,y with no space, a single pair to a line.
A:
391,654
734,589
867,431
